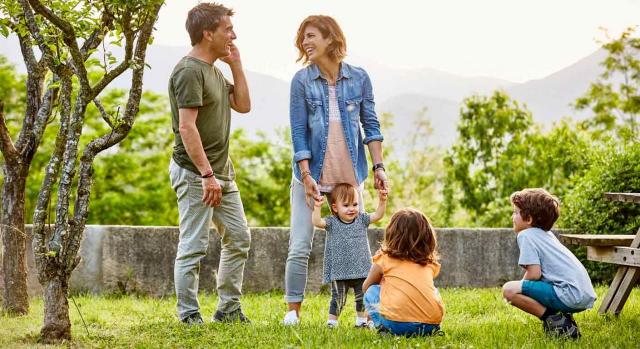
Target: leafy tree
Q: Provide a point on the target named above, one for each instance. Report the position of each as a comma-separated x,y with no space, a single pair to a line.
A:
615,97
614,169
66,33
263,174
488,126
550,160
500,150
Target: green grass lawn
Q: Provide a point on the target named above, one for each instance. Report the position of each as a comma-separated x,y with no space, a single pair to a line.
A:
476,318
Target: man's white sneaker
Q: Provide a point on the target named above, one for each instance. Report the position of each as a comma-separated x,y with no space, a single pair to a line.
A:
291,318
332,323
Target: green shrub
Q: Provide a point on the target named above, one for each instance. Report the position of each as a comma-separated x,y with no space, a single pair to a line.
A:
614,169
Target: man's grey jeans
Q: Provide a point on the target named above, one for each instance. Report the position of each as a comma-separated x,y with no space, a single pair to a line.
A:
195,223
300,243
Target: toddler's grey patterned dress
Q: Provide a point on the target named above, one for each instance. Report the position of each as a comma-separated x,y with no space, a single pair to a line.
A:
346,251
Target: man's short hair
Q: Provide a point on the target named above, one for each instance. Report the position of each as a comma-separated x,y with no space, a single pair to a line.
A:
205,16
537,204
329,28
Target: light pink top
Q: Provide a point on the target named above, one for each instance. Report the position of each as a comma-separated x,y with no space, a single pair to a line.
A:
337,167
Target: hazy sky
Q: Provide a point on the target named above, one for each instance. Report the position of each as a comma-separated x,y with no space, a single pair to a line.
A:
510,39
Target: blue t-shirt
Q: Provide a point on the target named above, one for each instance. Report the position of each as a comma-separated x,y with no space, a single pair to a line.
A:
559,267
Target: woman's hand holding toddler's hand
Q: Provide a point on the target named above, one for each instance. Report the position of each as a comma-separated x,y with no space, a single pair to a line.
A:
382,194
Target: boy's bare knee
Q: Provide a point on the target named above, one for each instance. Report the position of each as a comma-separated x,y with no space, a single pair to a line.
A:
510,289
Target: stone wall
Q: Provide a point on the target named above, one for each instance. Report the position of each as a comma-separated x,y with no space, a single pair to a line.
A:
140,259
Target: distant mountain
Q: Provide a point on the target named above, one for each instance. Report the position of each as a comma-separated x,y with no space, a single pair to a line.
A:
389,83
550,99
406,109
401,92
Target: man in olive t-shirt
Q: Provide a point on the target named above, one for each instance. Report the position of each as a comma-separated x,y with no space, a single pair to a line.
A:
201,172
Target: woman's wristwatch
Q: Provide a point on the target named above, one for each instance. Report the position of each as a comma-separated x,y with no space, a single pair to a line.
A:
379,166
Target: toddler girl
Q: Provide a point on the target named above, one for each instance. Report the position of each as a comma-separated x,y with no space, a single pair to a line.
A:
347,255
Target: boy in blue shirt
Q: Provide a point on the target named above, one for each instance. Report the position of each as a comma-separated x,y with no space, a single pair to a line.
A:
555,283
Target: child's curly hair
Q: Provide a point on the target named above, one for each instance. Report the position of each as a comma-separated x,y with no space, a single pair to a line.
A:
410,236
537,204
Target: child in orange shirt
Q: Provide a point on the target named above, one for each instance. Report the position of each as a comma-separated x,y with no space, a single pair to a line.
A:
400,296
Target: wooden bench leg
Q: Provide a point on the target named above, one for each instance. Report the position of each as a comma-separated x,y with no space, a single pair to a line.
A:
630,279
623,282
613,290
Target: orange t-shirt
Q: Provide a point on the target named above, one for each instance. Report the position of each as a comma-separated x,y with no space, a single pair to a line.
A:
407,292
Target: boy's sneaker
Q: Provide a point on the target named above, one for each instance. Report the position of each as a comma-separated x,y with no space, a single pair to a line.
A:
561,325
234,316
332,323
291,318
193,319
575,324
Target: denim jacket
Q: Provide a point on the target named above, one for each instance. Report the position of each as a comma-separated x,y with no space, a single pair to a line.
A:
309,117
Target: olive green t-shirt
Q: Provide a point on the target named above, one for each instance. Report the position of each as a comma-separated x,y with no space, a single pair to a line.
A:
198,84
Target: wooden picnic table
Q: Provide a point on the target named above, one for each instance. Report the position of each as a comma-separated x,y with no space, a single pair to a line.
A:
622,250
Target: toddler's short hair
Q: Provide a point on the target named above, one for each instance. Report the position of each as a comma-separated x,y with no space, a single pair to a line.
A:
537,204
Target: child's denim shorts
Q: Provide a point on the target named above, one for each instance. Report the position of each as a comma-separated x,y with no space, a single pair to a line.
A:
543,293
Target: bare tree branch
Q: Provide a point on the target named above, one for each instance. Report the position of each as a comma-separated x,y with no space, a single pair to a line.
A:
69,161
26,47
45,12
35,32
35,77
126,62
98,35
40,122
103,113
6,145
53,169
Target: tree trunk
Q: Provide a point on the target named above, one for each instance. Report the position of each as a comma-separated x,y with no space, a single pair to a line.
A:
57,326
16,299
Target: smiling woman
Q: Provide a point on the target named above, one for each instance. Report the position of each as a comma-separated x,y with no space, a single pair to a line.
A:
330,101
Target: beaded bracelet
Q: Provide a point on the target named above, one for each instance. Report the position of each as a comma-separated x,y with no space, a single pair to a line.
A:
207,175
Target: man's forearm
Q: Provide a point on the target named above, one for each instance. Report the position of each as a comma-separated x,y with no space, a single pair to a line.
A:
193,146
240,88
